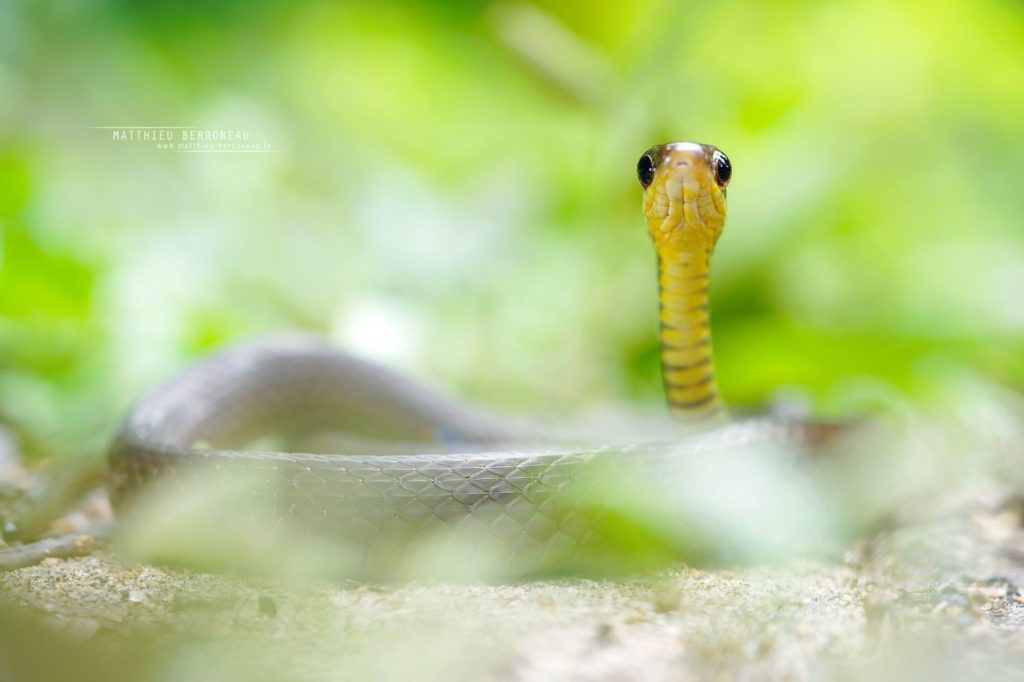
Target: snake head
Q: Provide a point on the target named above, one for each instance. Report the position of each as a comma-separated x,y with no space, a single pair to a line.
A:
684,194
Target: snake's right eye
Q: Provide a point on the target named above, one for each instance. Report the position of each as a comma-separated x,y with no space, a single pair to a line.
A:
645,170
723,169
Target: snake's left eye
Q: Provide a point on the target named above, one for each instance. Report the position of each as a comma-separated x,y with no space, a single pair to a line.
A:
722,167
645,170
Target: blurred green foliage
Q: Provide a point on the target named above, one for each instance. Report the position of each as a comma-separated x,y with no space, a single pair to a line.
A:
452,192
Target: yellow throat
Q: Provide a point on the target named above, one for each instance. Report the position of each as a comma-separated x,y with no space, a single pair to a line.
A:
684,204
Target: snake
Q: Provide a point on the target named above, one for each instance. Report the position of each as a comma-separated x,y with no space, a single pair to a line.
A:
416,460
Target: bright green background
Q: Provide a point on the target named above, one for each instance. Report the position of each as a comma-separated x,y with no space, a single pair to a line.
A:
453,192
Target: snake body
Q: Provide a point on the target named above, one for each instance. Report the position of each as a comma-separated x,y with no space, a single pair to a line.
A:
418,459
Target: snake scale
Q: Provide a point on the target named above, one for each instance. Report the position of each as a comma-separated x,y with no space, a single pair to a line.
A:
418,460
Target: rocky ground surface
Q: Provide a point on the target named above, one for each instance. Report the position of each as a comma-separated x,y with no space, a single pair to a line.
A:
938,598
935,591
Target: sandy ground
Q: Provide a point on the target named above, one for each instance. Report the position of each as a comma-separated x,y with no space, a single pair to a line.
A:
936,598
935,592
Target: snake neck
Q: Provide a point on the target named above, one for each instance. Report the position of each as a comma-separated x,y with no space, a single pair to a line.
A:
686,364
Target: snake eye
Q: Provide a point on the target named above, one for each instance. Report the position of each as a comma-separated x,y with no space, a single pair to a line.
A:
723,169
645,170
